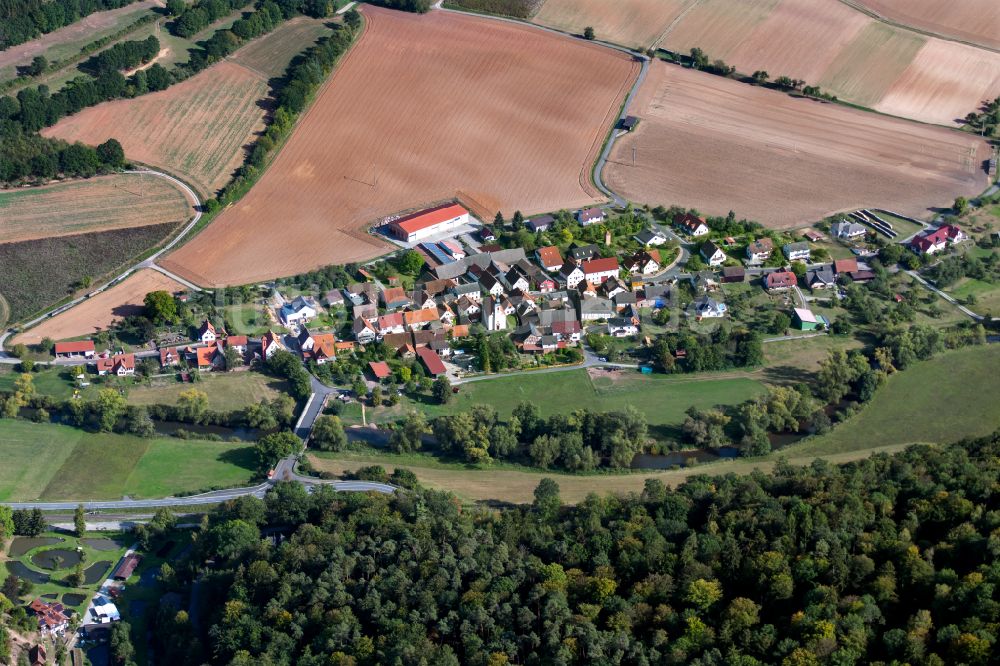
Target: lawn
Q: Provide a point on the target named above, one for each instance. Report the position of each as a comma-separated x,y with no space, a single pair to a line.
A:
227,391
57,382
941,401
987,295
56,462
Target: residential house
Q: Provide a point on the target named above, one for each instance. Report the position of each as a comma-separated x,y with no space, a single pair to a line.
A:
380,370
712,253
333,298
517,280
847,230
491,285
206,334
707,307
471,291
589,216
691,224
467,307
423,299
121,365
322,350
367,312
731,274
364,332
269,344
571,274
486,234
546,284
237,342
395,298
845,266
549,258
592,309
625,299
540,223
655,295
780,281
760,250
37,656
84,348
452,249
612,287
445,314
806,320
209,358
390,323
581,253
935,240
705,281
169,356
650,237
417,319
622,327
798,251
820,278
644,263
597,271
52,618
301,309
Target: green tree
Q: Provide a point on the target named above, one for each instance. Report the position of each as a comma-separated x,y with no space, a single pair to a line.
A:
272,448
961,206
328,434
547,500
160,307
442,390
79,521
588,33
411,262
192,405
120,644
6,523
109,407
408,435
111,153
38,65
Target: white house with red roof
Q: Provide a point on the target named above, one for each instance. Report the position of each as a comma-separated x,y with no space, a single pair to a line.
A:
121,365
423,224
83,348
269,344
549,258
935,240
207,333
589,216
597,271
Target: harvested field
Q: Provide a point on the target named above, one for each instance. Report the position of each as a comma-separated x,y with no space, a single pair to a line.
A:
975,21
98,312
67,41
196,129
633,23
419,112
719,145
96,204
37,273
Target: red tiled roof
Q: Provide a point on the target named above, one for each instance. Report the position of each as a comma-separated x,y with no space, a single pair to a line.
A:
236,341
780,279
127,361
600,265
549,256
460,331
428,218
431,361
74,347
380,369
845,266
689,221
422,316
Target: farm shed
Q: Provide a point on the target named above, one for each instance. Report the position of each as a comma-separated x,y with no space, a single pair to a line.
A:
426,223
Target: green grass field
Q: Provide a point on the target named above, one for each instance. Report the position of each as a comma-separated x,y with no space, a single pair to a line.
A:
942,400
227,391
987,295
55,462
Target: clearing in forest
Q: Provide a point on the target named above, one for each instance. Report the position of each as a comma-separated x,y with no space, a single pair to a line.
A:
718,145
119,201
418,112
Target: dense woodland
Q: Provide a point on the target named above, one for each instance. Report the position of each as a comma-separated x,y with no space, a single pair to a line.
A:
887,560
23,20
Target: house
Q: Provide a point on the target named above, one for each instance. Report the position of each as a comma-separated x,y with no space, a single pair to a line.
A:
302,309
269,344
862,276
305,339
629,123
549,258
209,358
760,250
820,278
423,224
612,287
581,253
705,281
394,298
546,284
712,253
471,291
390,323
813,235
380,369
622,327
954,233
322,350
596,271
650,237
780,280
467,307
333,298
491,284
691,224
121,365
127,567
731,274
540,223
592,309
645,263
796,251
452,249
589,216
517,280
169,356
847,230
707,308
845,266
805,320
486,235
206,334
431,360
37,656
655,296
935,240
571,274
53,618
84,348
237,342
417,319
445,314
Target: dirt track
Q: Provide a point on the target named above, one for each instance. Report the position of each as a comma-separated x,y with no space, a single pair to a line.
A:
424,108
98,312
719,145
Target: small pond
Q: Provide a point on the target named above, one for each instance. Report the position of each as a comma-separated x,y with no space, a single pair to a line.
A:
95,572
73,599
57,558
21,571
51,595
100,544
21,545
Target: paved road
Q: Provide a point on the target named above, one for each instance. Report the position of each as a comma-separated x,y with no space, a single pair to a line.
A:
149,262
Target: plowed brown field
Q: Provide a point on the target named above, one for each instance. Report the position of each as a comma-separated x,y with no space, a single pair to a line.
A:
97,204
633,23
425,107
719,145
976,21
99,312
196,129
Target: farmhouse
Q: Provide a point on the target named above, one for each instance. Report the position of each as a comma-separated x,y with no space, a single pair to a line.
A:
691,224
712,253
796,251
596,271
589,216
760,250
121,365
52,618
83,348
423,224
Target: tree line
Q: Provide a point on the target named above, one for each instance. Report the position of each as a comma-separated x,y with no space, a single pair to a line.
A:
23,20
124,55
892,559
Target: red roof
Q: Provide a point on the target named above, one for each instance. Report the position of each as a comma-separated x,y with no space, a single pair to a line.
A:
600,265
431,361
780,279
236,341
380,369
845,266
428,218
74,347
549,256
126,361
689,221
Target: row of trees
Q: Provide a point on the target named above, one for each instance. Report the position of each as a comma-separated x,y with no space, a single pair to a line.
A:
891,559
124,55
23,20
